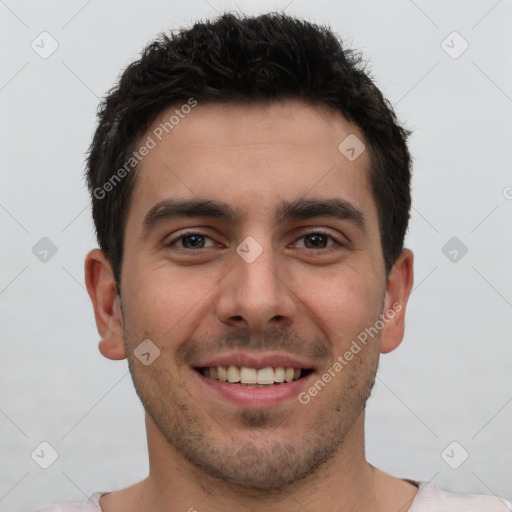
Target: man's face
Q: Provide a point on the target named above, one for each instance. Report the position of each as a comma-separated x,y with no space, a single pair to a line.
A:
266,283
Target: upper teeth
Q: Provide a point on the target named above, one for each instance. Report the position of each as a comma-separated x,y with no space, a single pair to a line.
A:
247,375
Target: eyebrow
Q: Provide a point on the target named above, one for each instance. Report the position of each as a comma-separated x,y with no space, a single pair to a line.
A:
175,208
311,208
299,209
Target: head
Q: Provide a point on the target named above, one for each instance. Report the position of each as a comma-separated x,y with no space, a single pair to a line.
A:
217,155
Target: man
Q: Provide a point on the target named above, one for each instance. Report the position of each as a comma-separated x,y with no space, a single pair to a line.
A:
251,194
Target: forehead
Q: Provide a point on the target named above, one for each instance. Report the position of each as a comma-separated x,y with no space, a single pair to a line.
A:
252,155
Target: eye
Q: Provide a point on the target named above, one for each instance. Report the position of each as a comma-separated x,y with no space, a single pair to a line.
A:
195,240
317,240
191,240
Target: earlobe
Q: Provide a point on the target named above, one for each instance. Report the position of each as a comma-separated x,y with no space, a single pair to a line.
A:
101,287
398,289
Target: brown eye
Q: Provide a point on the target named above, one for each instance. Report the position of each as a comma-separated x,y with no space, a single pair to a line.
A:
317,240
191,241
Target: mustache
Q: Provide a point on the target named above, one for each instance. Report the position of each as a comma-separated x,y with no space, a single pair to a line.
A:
273,340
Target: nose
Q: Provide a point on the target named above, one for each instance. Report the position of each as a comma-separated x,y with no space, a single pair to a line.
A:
257,295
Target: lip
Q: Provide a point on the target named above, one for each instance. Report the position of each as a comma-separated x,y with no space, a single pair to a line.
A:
256,398
258,361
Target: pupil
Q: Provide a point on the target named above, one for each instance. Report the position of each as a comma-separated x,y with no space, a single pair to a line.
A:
317,240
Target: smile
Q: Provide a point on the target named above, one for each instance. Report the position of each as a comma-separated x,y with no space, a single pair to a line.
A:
254,377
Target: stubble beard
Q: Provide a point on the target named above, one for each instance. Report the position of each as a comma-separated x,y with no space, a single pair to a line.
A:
262,459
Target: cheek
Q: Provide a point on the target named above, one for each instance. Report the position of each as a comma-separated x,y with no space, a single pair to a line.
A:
163,303
343,303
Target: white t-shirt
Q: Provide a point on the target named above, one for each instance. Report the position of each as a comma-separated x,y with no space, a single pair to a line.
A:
430,498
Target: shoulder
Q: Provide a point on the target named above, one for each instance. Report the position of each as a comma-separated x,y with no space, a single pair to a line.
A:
430,498
91,504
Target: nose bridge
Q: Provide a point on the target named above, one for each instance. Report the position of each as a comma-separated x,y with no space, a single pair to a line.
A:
258,277
254,292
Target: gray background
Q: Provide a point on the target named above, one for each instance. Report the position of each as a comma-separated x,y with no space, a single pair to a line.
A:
450,379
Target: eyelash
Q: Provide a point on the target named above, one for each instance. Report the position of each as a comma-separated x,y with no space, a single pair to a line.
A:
314,232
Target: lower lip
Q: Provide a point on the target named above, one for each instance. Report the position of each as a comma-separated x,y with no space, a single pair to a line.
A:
256,398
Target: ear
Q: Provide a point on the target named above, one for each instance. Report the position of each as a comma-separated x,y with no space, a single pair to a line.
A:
101,286
398,289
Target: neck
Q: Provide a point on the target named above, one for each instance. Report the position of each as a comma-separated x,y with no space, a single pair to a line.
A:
345,482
